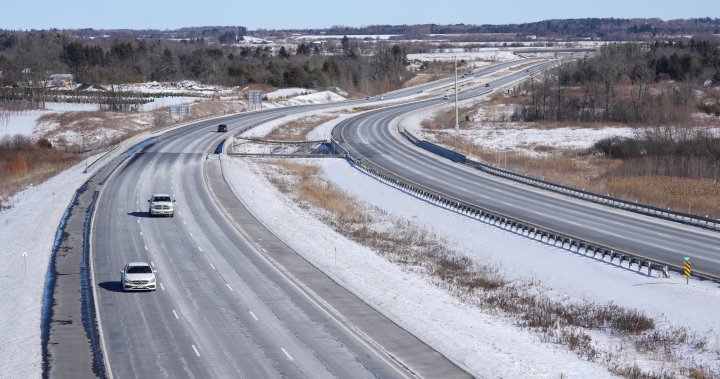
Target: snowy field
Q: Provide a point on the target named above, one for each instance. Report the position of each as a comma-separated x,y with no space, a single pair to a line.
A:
29,227
493,134
485,343
485,55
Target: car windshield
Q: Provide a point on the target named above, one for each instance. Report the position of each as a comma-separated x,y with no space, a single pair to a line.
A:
139,270
161,198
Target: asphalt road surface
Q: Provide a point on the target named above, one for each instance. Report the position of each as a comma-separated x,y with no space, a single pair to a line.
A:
374,137
222,309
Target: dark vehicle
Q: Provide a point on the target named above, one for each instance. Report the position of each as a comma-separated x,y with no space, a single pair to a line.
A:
487,84
222,128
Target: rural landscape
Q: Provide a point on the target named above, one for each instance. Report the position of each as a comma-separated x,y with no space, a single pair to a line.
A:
455,199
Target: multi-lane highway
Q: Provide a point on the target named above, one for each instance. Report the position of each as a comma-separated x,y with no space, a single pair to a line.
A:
232,300
374,137
221,308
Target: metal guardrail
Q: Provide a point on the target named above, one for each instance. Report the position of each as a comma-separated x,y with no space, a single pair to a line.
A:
516,225
268,155
248,127
648,210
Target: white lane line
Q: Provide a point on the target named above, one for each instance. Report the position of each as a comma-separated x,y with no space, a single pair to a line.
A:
184,222
199,248
191,236
152,263
176,315
263,250
286,354
253,315
196,350
137,194
211,265
146,248
162,286
138,221
228,286
141,234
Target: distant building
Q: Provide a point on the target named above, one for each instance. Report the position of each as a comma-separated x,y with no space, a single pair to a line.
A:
61,80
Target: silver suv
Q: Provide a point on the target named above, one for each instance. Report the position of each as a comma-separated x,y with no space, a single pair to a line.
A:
138,276
161,204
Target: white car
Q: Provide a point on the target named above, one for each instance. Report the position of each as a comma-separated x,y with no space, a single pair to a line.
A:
161,205
138,276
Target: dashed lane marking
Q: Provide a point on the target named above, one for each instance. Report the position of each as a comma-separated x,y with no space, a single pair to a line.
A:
286,354
196,350
146,248
228,286
152,263
253,315
213,267
176,315
162,287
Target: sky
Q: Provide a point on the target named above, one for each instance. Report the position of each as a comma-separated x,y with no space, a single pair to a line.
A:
299,14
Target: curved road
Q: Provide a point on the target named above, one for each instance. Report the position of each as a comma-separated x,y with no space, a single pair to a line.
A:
222,308
374,137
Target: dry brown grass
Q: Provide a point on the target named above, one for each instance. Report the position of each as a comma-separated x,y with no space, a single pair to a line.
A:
698,196
297,130
24,162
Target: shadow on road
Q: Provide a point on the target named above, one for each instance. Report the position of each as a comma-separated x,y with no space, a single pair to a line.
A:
111,286
139,214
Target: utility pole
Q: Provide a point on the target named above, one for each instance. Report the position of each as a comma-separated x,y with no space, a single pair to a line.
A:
457,124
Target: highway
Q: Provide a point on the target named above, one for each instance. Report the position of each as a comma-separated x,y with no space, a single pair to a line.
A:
222,309
374,137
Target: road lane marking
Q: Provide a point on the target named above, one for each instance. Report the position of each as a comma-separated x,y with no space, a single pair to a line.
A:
199,248
152,263
231,289
213,267
286,354
196,350
176,315
253,315
138,221
263,250
191,235
184,222
162,287
141,234
146,248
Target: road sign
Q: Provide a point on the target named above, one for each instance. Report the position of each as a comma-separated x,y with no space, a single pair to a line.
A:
687,271
255,98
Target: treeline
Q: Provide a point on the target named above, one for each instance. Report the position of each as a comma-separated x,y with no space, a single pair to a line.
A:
605,28
27,59
625,83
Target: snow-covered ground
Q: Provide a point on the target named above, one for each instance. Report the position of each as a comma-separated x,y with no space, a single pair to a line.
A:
288,92
315,37
493,134
23,123
485,343
491,54
313,98
29,227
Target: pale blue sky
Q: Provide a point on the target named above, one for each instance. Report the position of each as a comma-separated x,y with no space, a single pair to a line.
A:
281,14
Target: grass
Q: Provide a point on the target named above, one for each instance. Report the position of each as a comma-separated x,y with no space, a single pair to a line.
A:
25,162
297,130
566,323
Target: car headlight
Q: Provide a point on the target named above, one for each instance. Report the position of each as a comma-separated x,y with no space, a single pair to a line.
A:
126,279
152,280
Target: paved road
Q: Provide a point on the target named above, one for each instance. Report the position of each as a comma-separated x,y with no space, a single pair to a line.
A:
373,137
224,310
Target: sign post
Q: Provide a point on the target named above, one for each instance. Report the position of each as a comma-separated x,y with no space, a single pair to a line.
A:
687,270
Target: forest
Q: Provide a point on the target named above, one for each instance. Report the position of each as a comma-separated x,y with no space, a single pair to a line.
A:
26,59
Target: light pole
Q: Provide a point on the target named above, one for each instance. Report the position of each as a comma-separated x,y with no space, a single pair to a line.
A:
457,124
